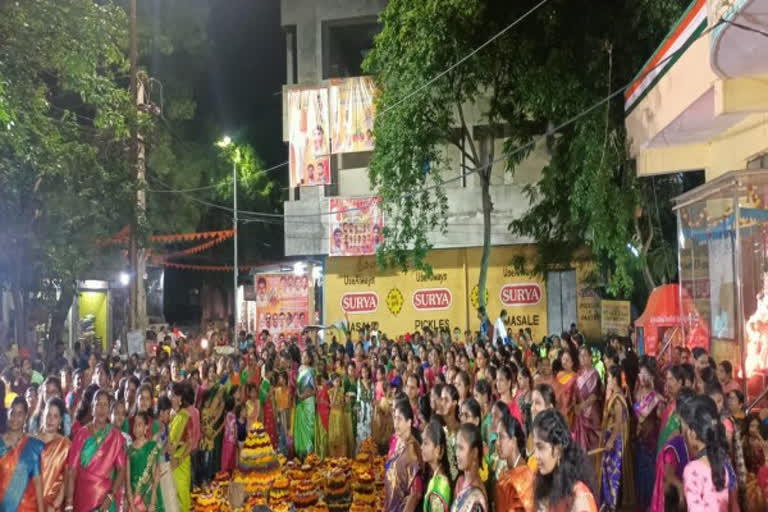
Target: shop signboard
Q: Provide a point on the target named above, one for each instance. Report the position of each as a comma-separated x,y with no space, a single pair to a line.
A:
615,317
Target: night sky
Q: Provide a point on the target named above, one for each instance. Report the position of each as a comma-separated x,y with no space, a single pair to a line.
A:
240,96
247,69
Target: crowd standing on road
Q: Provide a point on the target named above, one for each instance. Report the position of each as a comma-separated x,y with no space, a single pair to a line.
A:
467,424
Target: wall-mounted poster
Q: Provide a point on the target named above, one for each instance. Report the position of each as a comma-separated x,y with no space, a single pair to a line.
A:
308,137
356,226
352,114
282,303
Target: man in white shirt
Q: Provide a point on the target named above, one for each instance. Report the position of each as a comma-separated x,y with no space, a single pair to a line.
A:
500,329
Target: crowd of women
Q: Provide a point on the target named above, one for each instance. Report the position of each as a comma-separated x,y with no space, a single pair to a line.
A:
466,426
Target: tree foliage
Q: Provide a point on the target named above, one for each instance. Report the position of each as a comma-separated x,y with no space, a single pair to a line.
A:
547,69
62,173
472,105
175,53
589,194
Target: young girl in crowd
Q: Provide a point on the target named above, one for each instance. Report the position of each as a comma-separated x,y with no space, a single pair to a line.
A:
364,405
434,452
705,478
337,424
449,411
323,400
284,405
562,478
252,405
229,441
514,489
470,494
143,456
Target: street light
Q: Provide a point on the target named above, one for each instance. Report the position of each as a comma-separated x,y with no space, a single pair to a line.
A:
125,278
223,143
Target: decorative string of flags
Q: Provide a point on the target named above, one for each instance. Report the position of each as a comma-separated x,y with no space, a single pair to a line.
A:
212,238
206,268
222,236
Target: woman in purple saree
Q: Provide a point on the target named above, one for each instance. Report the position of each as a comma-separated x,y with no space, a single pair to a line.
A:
96,463
588,415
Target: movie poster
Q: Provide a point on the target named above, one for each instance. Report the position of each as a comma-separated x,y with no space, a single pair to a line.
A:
352,114
282,303
309,137
355,226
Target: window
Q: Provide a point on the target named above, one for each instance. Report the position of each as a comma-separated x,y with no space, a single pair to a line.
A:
759,162
346,44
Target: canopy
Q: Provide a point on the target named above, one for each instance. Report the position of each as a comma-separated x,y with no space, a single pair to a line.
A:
670,307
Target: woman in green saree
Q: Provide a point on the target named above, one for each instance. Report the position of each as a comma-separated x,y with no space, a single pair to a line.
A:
180,444
143,456
304,424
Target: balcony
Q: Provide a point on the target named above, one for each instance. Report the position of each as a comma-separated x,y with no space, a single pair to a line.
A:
700,101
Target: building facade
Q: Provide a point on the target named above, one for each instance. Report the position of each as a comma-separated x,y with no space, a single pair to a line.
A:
327,40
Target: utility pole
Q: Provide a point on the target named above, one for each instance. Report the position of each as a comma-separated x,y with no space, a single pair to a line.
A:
138,299
234,226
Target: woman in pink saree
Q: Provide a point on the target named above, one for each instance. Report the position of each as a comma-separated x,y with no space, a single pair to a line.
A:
587,417
96,463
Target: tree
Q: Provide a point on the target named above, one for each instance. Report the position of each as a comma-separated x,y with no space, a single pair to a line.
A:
64,120
589,194
549,68
418,41
175,47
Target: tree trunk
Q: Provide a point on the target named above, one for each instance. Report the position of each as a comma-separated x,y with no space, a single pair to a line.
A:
19,317
647,276
59,315
649,281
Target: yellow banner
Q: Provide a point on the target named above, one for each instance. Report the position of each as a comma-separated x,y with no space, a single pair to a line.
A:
399,302
615,317
524,297
587,302
405,302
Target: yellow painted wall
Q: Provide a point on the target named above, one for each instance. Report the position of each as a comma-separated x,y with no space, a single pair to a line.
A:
349,278
388,297
501,272
95,303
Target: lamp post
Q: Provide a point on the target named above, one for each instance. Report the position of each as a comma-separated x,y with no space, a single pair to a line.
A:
224,143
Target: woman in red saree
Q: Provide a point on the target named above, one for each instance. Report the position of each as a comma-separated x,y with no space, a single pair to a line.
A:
587,417
564,385
54,458
96,462
21,488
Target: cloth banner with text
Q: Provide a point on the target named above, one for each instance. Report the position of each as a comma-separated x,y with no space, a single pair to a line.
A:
614,317
352,114
309,137
355,226
282,303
